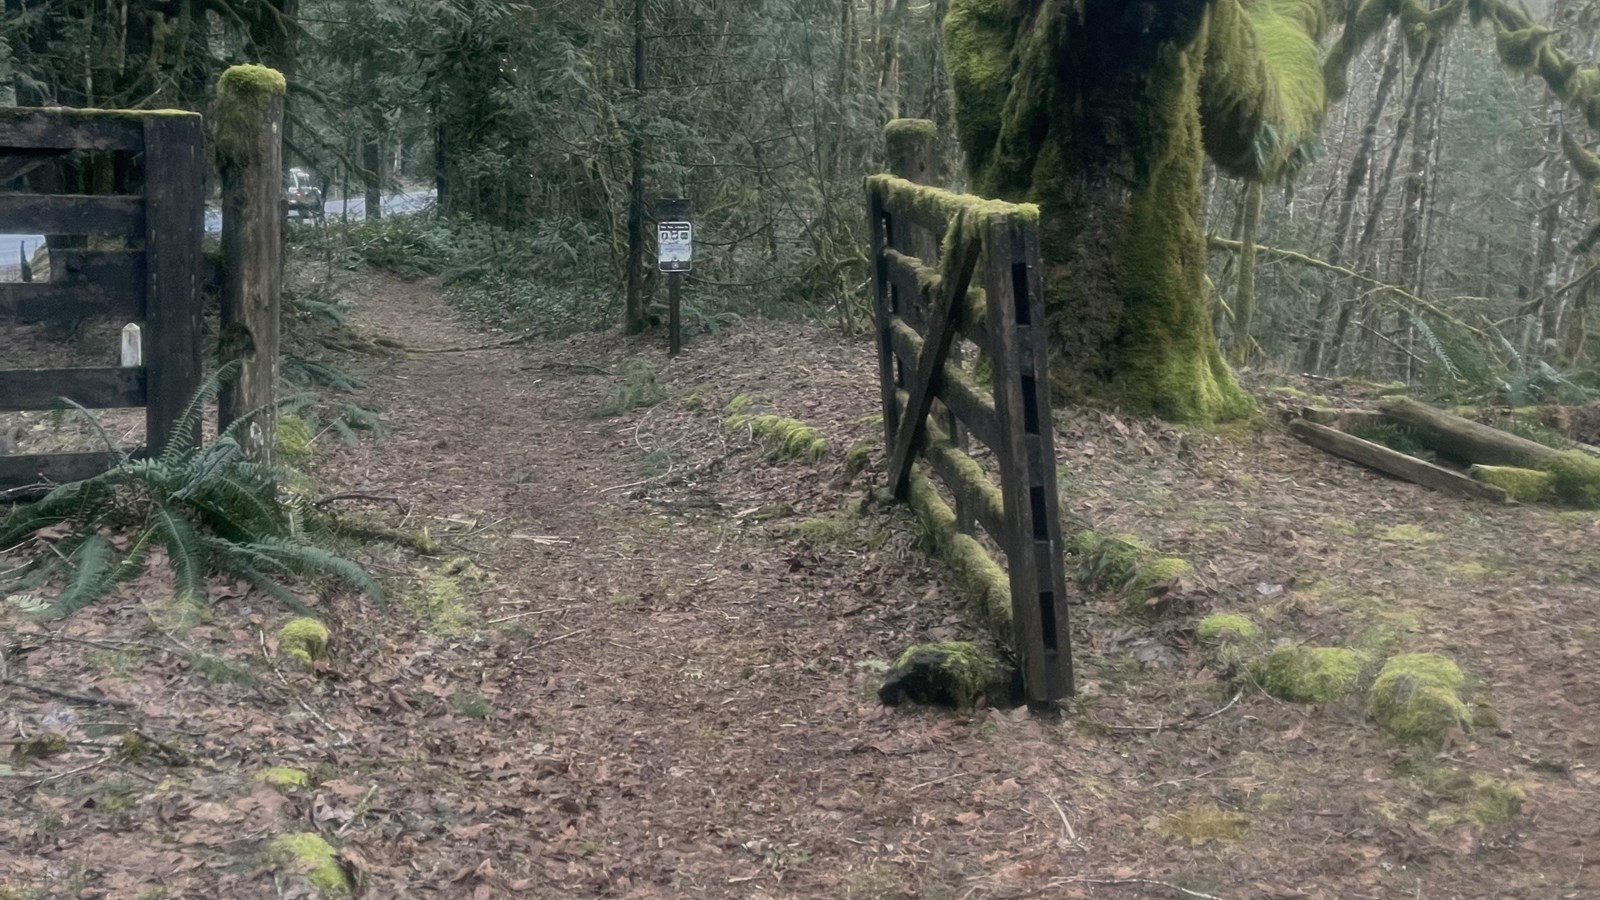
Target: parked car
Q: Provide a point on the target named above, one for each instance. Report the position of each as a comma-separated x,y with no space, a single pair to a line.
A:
304,197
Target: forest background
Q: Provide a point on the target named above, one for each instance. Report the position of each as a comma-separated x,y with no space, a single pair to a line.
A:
1437,236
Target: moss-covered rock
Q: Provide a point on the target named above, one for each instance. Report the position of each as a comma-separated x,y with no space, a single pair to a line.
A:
309,855
954,673
1155,574
1576,478
282,777
1301,674
1224,627
857,458
1521,485
1417,697
303,639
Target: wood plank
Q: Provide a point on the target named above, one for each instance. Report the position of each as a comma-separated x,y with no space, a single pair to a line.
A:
52,302
957,470
1392,462
943,322
908,273
74,214
83,283
97,388
958,393
61,128
877,227
1040,636
175,223
52,468
16,163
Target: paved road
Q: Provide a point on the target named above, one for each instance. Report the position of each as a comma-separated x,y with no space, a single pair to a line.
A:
14,246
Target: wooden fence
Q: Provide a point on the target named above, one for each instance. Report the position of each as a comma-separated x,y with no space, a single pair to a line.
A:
154,280
948,265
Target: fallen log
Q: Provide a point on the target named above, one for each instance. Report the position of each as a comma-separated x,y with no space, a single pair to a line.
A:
1467,441
1392,462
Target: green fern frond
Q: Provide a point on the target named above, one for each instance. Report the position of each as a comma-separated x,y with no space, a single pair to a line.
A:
91,569
187,426
303,559
1435,346
185,553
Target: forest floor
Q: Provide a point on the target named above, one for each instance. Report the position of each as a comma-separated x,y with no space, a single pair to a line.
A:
644,663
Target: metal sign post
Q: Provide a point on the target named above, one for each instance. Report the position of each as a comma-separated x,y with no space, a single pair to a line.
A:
675,253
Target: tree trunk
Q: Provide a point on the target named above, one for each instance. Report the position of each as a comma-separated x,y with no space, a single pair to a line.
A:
635,319
371,146
1100,125
1244,303
1464,440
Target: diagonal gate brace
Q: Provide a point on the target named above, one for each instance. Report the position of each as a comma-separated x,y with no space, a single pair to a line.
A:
943,324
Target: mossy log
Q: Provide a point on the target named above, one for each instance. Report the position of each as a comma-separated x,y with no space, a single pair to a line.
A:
1392,462
1467,441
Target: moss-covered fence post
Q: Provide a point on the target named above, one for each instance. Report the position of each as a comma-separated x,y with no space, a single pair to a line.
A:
249,122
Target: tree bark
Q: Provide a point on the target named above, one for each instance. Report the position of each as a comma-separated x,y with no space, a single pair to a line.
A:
1244,303
635,319
1099,124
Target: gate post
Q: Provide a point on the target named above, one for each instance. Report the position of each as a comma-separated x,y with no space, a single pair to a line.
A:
174,222
250,154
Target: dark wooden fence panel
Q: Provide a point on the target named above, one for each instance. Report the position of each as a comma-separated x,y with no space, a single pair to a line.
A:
989,290
157,283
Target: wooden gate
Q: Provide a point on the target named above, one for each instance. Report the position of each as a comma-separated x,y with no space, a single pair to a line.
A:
154,280
985,285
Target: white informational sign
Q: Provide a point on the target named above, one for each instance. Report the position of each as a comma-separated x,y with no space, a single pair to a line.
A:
675,245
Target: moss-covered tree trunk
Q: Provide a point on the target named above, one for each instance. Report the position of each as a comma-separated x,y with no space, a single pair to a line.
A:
1091,109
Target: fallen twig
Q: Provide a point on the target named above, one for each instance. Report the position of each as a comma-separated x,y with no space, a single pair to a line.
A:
1149,882
1182,723
334,498
67,696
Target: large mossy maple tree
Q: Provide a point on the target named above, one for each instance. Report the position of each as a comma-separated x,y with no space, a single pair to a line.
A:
1103,111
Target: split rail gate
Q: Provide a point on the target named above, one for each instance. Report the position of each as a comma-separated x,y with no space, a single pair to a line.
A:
924,298
154,280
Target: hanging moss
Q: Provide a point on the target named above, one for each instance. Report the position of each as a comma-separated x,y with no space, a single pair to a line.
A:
1519,50
243,95
1418,697
980,37
1263,94
1309,674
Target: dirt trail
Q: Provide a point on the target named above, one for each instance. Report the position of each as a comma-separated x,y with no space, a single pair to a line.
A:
623,677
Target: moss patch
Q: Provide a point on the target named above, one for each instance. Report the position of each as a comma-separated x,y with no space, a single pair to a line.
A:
1575,478
314,858
1408,534
825,530
1205,823
1521,485
1473,798
979,577
953,673
303,639
1226,626
784,438
441,597
282,777
1417,697
1308,674
244,94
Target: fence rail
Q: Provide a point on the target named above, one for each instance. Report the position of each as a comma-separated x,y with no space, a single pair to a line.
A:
949,266
155,282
